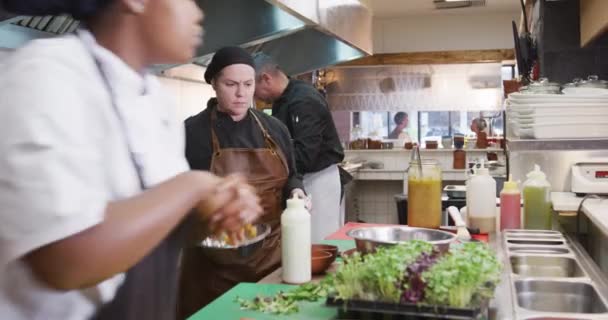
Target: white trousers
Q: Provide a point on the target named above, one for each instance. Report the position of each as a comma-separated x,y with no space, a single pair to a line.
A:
324,188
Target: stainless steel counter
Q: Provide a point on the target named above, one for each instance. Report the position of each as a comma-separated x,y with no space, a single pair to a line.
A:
501,307
547,275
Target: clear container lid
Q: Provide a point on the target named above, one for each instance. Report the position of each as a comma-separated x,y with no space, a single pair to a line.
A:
593,81
542,86
575,83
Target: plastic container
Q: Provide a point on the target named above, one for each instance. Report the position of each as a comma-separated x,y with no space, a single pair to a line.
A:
446,142
510,206
296,243
481,200
537,201
424,194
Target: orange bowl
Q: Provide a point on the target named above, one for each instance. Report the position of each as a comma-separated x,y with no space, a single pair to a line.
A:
326,247
321,260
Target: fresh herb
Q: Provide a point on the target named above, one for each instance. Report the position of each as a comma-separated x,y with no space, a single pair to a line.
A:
287,302
411,272
279,304
463,277
414,286
414,273
378,276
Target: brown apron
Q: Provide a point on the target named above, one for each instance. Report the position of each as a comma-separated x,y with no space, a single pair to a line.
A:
201,280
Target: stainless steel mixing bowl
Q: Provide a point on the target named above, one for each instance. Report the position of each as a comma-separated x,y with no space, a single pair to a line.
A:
368,239
222,253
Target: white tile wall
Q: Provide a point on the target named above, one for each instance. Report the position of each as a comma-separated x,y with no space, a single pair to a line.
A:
191,97
373,201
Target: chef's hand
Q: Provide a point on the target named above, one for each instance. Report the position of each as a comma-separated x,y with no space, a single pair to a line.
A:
300,194
233,204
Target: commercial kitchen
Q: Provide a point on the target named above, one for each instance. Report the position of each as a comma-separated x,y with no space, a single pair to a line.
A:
475,171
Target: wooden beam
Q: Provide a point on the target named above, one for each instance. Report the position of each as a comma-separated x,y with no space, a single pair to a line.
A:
435,57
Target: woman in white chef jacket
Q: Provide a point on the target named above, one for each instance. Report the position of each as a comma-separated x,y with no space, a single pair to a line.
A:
93,179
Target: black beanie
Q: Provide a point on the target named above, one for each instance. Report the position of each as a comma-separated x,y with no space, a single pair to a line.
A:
227,56
78,9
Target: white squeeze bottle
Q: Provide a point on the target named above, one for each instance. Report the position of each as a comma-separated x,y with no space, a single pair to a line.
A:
295,242
481,200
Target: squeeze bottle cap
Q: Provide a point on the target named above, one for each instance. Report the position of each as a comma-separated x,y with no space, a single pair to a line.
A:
536,174
510,186
482,169
295,203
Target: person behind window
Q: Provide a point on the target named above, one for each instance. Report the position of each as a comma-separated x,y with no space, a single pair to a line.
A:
402,121
480,127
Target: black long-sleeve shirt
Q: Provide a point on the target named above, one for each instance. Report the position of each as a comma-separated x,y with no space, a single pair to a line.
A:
243,134
306,114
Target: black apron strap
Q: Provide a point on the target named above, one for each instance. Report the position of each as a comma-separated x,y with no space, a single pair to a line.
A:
150,288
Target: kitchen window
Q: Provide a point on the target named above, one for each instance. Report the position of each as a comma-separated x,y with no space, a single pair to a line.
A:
425,125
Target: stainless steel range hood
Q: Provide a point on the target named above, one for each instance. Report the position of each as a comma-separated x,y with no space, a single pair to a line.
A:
302,35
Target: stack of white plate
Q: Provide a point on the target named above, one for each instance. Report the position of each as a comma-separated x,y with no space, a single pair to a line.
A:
553,116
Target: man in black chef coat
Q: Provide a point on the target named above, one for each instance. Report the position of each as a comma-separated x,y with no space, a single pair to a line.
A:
316,143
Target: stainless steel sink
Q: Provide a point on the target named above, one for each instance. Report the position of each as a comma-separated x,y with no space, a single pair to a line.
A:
534,236
536,242
558,297
548,232
551,318
543,266
539,250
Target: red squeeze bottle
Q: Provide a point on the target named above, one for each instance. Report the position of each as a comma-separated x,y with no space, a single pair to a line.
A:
510,206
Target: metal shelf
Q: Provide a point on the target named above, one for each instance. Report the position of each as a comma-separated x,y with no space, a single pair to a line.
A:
556,144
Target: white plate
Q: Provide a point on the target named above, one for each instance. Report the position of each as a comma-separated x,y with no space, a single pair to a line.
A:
578,91
563,131
558,104
553,97
570,119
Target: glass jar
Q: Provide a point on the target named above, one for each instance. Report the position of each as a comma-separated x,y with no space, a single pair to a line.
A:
424,194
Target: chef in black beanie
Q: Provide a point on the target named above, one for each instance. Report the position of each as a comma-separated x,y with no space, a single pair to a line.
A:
95,186
227,137
224,57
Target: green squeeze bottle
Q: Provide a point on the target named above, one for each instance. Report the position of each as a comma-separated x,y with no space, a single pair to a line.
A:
537,201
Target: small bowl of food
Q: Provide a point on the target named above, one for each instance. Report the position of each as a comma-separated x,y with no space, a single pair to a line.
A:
326,247
224,249
320,261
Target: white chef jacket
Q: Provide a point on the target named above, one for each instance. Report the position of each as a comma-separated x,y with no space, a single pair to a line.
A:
64,157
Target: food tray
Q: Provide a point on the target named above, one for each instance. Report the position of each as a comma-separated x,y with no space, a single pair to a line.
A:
359,309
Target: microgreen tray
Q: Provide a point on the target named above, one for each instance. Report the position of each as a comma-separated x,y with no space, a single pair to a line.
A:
359,309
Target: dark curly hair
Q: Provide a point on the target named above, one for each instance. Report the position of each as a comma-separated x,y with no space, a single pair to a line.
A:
399,117
79,9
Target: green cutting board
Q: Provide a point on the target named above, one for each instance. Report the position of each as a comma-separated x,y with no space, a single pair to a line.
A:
224,307
342,245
